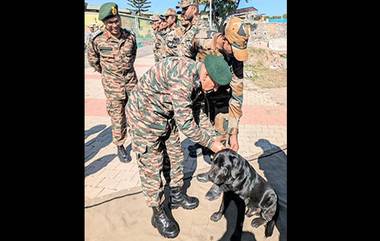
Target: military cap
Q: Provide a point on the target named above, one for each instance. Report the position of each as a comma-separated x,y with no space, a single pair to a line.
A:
154,18
218,69
107,10
237,35
170,12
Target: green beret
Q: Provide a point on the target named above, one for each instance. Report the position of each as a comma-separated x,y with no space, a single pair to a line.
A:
108,10
218,69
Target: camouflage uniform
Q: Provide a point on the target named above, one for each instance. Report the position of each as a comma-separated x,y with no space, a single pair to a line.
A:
161,44
172,41
114,59
186,46
155,114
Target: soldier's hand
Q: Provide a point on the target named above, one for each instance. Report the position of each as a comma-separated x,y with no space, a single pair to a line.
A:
217,146
234,143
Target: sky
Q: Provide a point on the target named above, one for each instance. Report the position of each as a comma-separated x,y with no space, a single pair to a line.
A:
269,7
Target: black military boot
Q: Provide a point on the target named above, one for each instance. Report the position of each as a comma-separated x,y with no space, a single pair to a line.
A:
166,226
123,154
203,177
180,199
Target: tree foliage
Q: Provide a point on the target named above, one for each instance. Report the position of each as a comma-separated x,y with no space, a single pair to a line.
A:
221,9
139,6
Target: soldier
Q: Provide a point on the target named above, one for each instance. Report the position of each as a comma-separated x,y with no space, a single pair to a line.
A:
173,33
191,24
160,40
226,104
156,21
112,53
155,115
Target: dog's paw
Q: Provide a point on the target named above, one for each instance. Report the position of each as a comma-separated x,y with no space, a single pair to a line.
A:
211,196
216,216
257,222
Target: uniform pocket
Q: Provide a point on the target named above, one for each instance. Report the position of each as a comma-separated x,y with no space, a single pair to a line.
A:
106,52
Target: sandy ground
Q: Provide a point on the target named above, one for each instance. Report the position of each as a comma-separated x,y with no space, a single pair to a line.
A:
128,218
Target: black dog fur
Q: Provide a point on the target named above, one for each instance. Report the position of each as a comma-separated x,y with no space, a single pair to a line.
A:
232,173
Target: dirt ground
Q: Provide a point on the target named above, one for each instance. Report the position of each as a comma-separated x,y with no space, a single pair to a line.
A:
266,68
128,218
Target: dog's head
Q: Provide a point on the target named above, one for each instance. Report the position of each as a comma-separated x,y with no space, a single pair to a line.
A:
225,167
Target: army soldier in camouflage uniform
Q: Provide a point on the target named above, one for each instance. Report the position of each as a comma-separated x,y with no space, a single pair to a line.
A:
226,103
160,39
173,33
191,25
112,53
156,21
159,106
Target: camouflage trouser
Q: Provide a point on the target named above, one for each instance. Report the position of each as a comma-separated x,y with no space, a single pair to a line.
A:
116,110
150,152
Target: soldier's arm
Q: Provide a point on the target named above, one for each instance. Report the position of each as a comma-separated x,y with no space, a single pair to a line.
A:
93,55
132,57
205,123
183,114
236,101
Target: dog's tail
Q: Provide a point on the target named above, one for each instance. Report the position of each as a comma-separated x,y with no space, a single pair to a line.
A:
269,227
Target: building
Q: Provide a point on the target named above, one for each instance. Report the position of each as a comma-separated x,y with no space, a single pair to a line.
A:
247,14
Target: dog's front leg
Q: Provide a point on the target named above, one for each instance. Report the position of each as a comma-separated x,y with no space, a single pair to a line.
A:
252,211
214,192
218,215
258,222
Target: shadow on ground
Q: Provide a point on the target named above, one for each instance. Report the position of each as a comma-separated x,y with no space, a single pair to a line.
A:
234,212
93,146
274,167
93,130
98,164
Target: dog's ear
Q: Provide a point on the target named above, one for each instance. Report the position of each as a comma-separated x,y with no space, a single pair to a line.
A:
236,166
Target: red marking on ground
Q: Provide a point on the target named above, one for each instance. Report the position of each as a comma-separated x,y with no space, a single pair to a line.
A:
252,114
95,107
263,115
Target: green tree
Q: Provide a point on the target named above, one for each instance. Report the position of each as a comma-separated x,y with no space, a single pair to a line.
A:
285,15
139,6
221,9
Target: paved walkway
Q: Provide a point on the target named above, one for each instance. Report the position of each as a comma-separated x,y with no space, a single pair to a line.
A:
264,117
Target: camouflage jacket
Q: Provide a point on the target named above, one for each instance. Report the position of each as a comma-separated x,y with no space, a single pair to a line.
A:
159,44
172,41
205,42
166,92
186,46
114,59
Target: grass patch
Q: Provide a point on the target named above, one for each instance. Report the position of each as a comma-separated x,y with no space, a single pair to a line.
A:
258,69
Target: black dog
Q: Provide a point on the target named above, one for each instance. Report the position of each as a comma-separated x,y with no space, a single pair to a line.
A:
232,173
